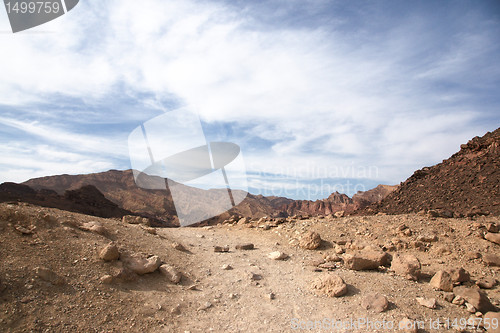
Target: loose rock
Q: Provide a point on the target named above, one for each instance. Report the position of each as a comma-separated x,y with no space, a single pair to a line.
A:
459,275
245,246
442,281
476,298
178,246
221,248
49,276
407,266
491,260
310,240
375,302
141,265
106,279
486,282
109,252
331,285
360,261
171,273
277,255
427,302
494,238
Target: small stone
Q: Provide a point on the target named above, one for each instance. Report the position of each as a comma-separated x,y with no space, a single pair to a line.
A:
22,230
310,240
245,246
277,255
109,252
205,306
271,296
470,307
243,220
442,281
407,266
330,285
333,258
150,230
193,287
232,296
255,277
375,302
49,276
106,279
221,248
459,275
458,300
178,246
141,265
176,310
449,297
131,219
492,227
427,302
473,255
491,260
493,237
338,249
427,238
171,273
227,267
358,262
486,282
408,326
476,298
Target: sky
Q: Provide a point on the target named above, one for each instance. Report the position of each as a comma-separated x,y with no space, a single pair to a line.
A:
321,96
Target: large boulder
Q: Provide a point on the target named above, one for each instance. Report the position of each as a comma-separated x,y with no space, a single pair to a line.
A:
407,266
310,240
475,297
330,285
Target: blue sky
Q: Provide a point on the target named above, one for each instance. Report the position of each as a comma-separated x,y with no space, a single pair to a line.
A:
320,95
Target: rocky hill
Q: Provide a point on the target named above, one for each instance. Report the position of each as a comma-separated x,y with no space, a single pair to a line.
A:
86,199
467,183
338,202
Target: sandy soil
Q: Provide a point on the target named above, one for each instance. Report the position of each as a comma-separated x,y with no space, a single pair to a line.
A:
210,298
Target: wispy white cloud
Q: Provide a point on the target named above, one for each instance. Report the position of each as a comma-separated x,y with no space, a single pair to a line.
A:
396,98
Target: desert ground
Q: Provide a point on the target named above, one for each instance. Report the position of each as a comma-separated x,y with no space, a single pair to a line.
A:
53,277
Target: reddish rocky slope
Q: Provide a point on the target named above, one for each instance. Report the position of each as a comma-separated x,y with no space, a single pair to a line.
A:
467,183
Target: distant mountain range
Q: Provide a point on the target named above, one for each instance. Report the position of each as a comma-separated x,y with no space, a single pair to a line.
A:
117,194
467,181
